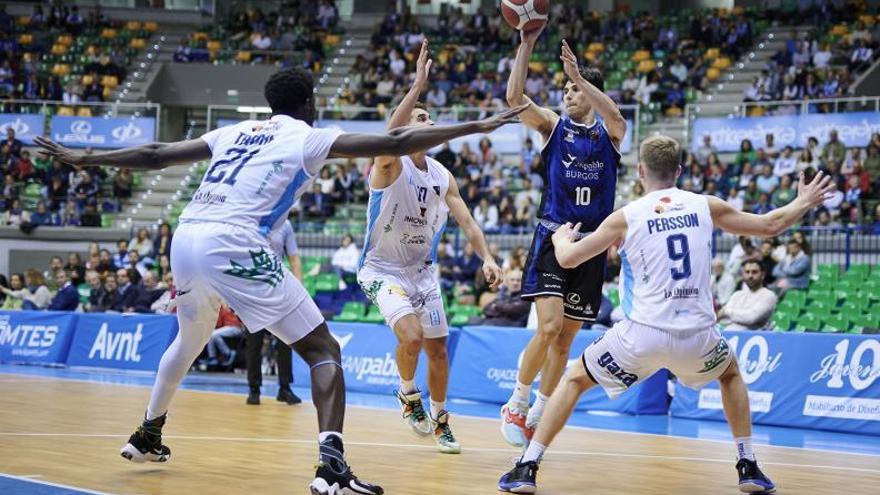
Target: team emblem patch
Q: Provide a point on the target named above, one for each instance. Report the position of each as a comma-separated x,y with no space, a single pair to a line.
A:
372,289
266,268
718,355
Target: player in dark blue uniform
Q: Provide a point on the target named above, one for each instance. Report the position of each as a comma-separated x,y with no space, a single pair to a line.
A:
580,159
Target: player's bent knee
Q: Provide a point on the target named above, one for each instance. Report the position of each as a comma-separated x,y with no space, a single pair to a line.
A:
436,349
577,377
318,346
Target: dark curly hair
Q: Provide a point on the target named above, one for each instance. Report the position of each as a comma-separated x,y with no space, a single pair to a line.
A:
593,76
291,91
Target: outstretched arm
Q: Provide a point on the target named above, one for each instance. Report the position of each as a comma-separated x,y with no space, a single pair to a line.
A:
538,118
571,254
408,140
152,156
389,166
602,103
472,231
777,221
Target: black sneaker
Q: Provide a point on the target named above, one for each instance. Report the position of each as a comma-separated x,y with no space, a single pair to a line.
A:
520,479
253,398
287,395
145,444
334,477
751,479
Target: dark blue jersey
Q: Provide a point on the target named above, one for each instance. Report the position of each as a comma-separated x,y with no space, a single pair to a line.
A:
580,174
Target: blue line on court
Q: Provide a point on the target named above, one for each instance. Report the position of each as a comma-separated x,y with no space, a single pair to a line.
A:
645,424
25,486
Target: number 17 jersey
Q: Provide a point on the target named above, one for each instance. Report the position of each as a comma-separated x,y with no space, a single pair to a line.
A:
666,261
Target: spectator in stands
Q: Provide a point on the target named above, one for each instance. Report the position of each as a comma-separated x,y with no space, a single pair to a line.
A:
142,244
162,243
345,259
768,259
34,295
746,153
486,216
106,298
15,215
751,307
767,182
67,298
90,216
786,163
42,215
24,169
704,151
164,266
94,91
784,194
806,160
508,308
160,305
105,264
147,293
93,281
316,203
723,283
743,250
56,264
228,326
135,262
86,192
861,56
16,284
834,150
56,192
466,266
127,291
123,183
13,142
120,259
793,272
75,268
75,22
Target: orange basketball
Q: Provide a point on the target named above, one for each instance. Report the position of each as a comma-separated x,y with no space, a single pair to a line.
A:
525,15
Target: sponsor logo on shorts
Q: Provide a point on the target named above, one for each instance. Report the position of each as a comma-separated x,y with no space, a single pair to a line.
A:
372,289
396,289
607,361
573,298
435,317
266,268
718,355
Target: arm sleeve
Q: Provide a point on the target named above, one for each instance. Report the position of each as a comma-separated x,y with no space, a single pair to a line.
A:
798,267
210,138
316,147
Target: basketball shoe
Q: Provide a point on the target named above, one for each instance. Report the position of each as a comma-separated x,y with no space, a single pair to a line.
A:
513,423
145,444
333,475
520,479
414,412
443,434
751,479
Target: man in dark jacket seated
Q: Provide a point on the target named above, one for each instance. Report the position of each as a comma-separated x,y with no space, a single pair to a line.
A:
147,293
67,298
127,279
508,309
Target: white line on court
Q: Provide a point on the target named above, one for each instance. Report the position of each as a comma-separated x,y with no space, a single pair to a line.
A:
482,418
433,447
49,483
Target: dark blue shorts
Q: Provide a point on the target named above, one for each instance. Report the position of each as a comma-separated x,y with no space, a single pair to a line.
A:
580,288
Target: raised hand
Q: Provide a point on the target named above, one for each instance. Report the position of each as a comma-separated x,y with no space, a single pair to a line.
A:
54,150
423,67
531,36
509,116
569,62
817,190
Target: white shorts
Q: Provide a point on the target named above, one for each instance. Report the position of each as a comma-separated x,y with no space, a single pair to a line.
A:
407,291
217,261
630,352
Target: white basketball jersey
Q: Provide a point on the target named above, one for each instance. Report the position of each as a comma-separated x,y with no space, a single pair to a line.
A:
406,219
258,169
666,261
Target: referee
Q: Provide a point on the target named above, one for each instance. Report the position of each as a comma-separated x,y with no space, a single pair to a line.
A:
284,245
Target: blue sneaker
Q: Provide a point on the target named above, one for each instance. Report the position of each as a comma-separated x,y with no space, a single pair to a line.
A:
751,479
520,479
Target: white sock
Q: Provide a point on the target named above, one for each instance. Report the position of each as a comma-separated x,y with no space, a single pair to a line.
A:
522,393
537,407
534,453
436,408
407,386
744,448
324,435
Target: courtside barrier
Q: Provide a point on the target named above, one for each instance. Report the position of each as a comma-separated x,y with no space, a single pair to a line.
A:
818,381
130,342
368,358
487,360
36,337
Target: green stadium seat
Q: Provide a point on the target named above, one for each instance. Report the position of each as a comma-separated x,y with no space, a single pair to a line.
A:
871,288
808,322
866,320
823,306
354,307
789,305
859,269
465,310
781,322
836,323
828,271
459,320
107,220
799,296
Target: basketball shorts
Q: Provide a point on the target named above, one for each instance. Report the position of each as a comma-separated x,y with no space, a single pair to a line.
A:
217,262
630,352
580,288
399,292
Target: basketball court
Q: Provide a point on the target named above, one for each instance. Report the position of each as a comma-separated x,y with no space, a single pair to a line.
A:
61,429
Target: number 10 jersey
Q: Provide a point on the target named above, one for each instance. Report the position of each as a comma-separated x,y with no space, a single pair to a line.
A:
666,261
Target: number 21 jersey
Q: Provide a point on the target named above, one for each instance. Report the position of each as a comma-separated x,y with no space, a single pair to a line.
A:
666,261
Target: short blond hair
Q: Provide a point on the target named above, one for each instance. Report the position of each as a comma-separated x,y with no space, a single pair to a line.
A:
661,156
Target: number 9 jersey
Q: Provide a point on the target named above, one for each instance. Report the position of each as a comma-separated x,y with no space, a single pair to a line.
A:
258,170
666,261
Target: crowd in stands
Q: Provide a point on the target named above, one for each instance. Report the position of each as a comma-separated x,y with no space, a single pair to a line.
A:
59,54
46,192
136,278
763,176
298,28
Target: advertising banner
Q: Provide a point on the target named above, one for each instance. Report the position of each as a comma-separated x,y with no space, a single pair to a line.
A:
98,132
817,381
487,361
131,342
35,336
27,126
853,129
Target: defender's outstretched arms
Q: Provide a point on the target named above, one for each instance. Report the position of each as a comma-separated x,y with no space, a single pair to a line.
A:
402,141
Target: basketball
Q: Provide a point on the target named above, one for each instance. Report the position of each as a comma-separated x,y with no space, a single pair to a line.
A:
525,15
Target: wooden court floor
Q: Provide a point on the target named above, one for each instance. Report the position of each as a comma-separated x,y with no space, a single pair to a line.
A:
69,432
